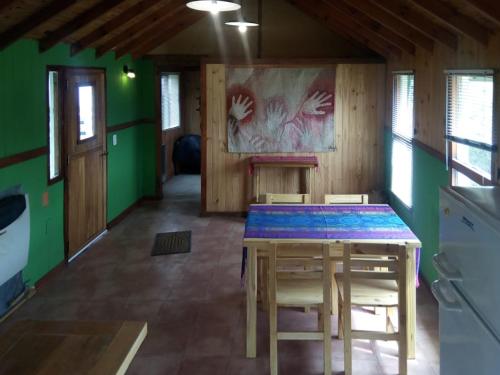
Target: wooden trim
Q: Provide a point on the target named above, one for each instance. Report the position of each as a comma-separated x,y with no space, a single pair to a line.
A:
203,123
125,125
470,173
159,135
60,72
23,156
293,62
437,154
385,18
33,21
115,23
419,21
487,8
76,23
458,21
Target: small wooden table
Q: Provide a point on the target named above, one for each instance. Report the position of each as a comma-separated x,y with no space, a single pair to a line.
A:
307,163
303,224
70,347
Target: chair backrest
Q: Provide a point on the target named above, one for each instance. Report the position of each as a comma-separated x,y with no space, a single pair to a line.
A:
307,262
288,198
360,258
346,198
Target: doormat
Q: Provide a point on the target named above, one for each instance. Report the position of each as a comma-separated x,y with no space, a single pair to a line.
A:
172,243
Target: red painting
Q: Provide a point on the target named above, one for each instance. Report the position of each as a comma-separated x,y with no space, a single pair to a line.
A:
280,109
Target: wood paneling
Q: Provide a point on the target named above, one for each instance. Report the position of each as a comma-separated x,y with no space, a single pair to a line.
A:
355,167
191,102
169,137
430,80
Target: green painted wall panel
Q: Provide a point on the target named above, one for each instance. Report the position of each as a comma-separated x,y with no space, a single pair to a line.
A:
23,127
47,225
429,174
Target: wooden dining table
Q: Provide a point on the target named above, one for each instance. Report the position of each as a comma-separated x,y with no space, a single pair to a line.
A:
334,224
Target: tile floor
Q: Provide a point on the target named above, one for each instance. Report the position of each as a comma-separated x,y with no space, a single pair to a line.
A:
193,302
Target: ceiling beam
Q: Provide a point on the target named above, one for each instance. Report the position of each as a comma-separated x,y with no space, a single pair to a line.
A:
77,23
321,12
162,25
458,21
393,23
33,21
166,35
139,27
369,24
5,3
419,21
115,23
488,8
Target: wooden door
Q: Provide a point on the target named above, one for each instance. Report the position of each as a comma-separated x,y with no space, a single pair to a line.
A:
86,157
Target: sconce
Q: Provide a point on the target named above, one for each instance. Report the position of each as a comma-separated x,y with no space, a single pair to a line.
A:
129,72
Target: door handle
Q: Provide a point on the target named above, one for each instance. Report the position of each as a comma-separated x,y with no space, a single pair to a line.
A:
441,264
104,154
443,301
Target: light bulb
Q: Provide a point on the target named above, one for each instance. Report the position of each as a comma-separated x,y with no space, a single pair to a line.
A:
242,29
131,74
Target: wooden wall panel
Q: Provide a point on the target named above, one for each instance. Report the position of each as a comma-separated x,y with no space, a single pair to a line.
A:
168,138
430,90
356,166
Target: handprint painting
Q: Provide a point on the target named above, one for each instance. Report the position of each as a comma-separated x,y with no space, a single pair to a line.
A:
280,109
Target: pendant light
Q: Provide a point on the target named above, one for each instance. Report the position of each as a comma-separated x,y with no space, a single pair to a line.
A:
242,24
214,6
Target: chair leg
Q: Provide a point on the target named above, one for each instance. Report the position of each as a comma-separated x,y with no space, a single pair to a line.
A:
320,317
327,337
265,283
340,320
346,317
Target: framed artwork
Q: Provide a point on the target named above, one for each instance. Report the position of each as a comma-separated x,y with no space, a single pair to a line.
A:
280,109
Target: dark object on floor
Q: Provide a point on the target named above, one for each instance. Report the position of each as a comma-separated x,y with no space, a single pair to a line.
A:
172,243
187,154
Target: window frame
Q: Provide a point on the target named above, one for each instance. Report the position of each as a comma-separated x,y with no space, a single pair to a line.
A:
395,137
162,73
454,165
61,78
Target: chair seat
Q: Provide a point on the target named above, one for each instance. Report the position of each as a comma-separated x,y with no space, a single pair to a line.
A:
370,292
299,292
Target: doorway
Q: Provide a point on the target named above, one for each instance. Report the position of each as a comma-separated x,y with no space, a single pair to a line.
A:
85,150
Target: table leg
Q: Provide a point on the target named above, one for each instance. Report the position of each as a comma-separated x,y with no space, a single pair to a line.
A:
257,184
252,302
310,183
411,303
335,300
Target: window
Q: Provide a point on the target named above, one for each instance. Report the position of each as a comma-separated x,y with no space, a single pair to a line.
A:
54,124
86,115
402,135
470,134
170,102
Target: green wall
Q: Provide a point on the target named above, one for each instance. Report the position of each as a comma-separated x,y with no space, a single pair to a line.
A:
429,174
131,163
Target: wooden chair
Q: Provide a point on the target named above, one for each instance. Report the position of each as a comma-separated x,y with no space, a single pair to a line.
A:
288,198
262,265
312,288
346,198
359,287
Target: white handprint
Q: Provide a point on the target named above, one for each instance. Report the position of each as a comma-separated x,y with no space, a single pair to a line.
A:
313,105
276,116
240,108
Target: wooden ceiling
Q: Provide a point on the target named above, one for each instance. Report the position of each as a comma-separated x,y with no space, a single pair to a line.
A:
389,27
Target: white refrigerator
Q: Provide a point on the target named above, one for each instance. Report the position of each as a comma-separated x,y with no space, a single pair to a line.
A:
468,289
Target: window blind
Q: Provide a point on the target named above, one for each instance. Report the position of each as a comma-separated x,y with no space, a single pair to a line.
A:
402,132
170,102
469,114
402,114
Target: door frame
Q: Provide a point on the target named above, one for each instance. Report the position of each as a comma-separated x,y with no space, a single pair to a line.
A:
64,70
